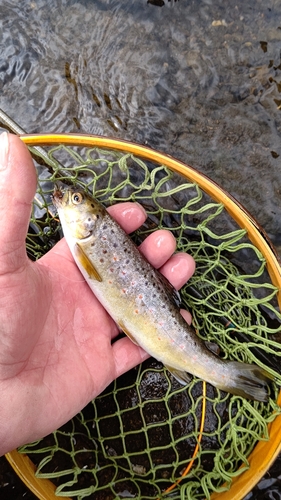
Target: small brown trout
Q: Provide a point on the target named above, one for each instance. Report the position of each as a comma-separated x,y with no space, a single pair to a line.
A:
140,299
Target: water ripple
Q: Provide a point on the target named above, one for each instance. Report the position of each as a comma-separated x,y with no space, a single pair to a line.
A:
200,80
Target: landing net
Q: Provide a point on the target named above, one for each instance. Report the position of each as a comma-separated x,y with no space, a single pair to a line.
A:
136,438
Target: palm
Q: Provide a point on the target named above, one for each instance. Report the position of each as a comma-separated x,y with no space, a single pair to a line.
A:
61,340
81,333
55,337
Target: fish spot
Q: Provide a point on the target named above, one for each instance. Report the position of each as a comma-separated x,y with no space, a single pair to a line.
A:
104,237
112,231
97,216
127,261
110,282
101,260
140,297
93,244
104,226
136,311
104,251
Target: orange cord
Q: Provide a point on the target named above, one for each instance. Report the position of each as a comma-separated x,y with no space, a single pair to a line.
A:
187,469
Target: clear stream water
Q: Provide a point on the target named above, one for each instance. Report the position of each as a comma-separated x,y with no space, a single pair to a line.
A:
198,79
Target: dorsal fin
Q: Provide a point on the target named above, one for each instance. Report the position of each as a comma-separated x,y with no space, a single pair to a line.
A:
170,289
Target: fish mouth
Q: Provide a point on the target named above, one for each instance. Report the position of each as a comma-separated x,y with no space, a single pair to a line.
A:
57,196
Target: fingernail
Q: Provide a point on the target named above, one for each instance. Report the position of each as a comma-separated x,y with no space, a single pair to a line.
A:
142,208
4,150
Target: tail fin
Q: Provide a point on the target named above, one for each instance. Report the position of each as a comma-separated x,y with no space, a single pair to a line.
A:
248,381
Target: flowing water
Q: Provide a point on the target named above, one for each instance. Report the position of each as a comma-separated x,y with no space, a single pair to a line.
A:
198,79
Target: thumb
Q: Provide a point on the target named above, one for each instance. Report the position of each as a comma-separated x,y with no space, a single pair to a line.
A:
17,189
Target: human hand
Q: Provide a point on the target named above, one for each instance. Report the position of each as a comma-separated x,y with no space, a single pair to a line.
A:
56,351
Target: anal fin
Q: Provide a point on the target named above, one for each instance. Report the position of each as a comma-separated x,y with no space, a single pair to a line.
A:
182,377
86,263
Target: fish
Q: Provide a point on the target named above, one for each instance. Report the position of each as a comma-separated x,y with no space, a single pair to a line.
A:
142,301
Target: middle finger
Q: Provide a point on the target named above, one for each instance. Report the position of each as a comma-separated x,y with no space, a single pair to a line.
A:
158,247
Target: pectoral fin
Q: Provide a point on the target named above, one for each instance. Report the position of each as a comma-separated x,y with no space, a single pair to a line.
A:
86,263
182,377
126,331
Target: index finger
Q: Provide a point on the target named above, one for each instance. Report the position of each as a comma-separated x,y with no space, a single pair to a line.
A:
129,215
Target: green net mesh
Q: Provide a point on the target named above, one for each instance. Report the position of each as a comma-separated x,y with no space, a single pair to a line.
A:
137,438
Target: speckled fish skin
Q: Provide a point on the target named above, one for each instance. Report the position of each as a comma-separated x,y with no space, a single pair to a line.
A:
136,297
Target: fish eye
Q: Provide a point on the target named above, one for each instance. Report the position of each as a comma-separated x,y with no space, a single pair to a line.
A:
77,198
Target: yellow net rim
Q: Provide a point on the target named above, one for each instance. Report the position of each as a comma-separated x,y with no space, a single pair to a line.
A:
265,452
